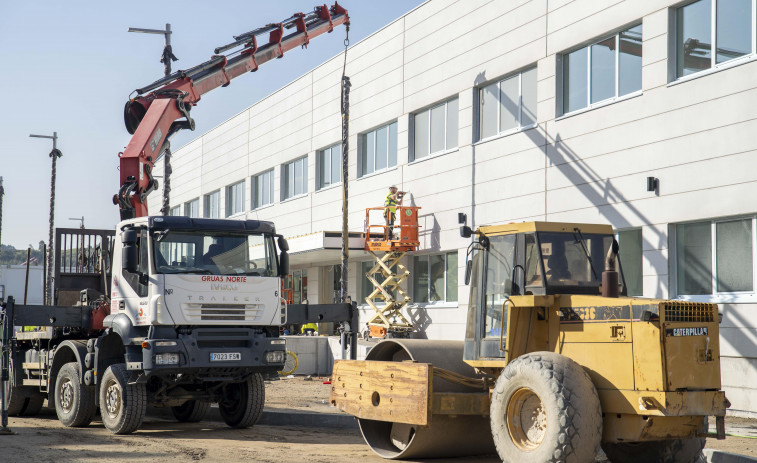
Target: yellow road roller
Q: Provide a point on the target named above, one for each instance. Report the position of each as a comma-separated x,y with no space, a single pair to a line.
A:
557,361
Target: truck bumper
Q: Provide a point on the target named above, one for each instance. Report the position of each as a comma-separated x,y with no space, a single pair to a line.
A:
212,354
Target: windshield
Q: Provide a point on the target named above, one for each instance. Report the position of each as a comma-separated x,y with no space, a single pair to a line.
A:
567,257
214,253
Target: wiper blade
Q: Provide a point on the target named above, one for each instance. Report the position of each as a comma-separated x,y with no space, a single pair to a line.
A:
580,239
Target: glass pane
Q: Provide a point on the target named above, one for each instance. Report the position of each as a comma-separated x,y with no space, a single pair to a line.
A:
694,258
420,279
381,142
603,70
268,180
693,48
629,61
392,144
336,163
528,96
452,116
437,128
733,29
509,103
498,282
304,170
436,287
363,154
421,135
575,80
488,115
324,168
733,242
370,152
451,271
631,260
290,179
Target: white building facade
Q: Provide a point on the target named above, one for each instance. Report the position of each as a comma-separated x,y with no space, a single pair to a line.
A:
637,114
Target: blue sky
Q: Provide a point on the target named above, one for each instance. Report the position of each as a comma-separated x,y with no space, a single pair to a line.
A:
70,67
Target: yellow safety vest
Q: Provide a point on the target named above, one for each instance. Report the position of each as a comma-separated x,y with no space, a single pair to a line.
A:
390,203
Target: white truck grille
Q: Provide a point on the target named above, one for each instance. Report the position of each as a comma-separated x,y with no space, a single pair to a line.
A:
209,312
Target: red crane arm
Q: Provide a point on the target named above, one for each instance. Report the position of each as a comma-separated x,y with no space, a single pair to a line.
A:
157,112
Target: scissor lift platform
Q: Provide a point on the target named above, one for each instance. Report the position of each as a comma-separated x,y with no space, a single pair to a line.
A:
389,320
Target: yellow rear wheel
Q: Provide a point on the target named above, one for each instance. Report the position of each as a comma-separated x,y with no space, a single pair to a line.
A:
526,419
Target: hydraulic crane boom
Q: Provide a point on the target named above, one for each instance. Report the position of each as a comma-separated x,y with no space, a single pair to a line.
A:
162,108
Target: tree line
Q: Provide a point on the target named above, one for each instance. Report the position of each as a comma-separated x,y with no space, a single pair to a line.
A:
9,255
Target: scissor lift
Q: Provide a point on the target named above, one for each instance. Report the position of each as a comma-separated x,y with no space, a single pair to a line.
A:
388,251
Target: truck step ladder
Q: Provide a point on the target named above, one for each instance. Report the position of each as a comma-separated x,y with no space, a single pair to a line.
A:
388,274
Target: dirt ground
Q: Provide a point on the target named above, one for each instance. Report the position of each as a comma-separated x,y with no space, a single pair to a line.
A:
43,439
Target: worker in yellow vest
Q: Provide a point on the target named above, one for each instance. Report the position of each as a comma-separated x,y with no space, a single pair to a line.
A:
393,199
309,329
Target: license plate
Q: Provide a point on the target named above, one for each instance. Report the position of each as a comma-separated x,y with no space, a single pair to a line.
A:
225,356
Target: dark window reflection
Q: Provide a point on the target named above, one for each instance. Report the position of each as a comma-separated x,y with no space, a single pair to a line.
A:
733,29
693,37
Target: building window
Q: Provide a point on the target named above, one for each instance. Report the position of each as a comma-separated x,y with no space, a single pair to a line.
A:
435,129
603,71
212,205
174,211
378,149
294,178
295,287
235,199
715,257
631,252
435,277
703,43
329,166
192,208
508,104
262,189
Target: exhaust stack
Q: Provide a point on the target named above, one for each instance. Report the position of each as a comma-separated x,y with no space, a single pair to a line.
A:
610,276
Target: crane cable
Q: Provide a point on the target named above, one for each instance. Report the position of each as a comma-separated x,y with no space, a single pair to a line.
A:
345,110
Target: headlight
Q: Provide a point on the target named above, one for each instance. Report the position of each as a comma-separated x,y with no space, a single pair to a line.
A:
276,356
165,343
167,359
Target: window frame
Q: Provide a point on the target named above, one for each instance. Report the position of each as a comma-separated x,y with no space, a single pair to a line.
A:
714,66
188,208
363,135
254,189
320,157
444,301
229,190
285,176
717,296
206,204
520,127
413,151
562,111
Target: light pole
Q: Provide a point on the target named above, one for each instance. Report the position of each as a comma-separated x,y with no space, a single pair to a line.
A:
54,154
166,59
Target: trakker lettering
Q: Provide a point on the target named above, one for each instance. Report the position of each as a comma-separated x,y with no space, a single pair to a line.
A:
698,331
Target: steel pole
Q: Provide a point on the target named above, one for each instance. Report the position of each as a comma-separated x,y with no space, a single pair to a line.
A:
2,193
54,154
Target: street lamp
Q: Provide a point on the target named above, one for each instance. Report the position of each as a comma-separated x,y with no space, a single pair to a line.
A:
54,154
168,56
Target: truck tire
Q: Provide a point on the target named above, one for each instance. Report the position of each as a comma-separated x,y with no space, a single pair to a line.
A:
122,405
74,402
664,451
242,403
15,396
191,411
545,409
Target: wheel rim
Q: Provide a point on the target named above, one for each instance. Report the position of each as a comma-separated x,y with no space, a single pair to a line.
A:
526,419
113,400
66,396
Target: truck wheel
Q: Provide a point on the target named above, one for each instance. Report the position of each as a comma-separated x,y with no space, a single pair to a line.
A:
242,403
122,405
545,409
664,451
191,411
17,396
74,401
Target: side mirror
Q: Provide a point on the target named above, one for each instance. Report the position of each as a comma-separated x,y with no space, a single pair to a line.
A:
466,231
283,245
468,271
283,264
129,236
129,257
